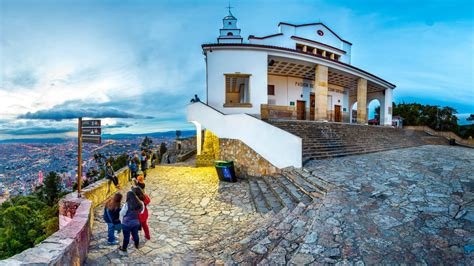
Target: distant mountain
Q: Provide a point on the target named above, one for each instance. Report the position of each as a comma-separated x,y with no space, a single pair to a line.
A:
45,140
171,134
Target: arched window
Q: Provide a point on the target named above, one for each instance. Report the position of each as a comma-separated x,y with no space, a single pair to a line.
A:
229,34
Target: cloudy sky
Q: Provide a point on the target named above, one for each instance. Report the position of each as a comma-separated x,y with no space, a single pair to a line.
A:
139,62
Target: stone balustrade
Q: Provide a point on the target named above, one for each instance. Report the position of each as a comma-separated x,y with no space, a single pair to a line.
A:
70,244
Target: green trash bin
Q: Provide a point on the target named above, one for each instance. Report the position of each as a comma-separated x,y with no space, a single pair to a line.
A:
225,171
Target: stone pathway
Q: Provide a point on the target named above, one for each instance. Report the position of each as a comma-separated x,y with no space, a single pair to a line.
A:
410,205
188,205
413,205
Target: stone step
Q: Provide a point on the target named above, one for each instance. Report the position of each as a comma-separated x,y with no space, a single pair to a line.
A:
285,197
233,251
257,249
260,202
294,191
291,241
275,203
357,148
213,244
325,185
307,157
302,184
319,183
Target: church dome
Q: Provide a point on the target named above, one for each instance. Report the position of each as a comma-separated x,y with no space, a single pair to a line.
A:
230,16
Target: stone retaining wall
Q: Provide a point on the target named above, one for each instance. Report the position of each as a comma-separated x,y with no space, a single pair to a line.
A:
70,245
445,134
247,162
268,111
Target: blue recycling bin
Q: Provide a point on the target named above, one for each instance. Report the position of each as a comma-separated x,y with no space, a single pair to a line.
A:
225,171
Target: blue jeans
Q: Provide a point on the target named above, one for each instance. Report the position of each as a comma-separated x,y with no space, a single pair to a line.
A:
127,230
111,232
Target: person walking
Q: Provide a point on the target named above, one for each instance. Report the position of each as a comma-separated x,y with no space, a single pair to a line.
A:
144,163
129,215
112,217
111,177
133,169
144,216
153,159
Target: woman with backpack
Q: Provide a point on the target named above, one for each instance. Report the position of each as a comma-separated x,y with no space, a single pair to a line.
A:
110,175
129,215
112,217
144,216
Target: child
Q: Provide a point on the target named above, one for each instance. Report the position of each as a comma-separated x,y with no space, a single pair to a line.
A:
112,217
130,221
144,216
141,182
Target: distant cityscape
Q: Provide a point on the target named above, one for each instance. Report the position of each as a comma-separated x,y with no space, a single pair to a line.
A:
23,162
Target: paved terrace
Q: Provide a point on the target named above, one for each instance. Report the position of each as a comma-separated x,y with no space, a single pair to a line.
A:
187,206
410,205
407,205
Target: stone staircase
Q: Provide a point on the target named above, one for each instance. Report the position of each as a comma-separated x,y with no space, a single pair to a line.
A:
322,140
288,203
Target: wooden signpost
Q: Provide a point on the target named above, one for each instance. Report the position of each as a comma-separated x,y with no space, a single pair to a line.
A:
89,131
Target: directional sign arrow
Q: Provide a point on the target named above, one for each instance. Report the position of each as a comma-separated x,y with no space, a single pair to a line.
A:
96,131
90,123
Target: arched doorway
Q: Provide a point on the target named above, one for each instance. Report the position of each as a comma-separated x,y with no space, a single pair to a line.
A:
374,112
353,113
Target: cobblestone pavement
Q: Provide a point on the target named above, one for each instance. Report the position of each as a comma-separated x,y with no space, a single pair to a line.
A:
188,205
410,205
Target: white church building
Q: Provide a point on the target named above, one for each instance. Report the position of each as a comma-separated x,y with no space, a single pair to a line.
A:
301,72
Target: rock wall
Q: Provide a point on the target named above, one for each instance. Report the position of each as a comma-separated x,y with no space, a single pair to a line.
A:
445,134
70,245
246,161
210,150
180,150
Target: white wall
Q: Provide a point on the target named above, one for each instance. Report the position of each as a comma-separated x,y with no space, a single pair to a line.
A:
279,147
254,63
310,33
290,89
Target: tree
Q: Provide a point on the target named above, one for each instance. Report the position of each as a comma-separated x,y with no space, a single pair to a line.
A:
163,148
146,143
50,190
435,117
24,222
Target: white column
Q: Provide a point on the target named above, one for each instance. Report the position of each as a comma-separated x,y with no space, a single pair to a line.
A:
198,137
387,112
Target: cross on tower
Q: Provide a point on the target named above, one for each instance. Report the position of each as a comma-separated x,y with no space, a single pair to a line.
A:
229,7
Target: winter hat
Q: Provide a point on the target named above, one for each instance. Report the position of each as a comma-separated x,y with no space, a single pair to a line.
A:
140,179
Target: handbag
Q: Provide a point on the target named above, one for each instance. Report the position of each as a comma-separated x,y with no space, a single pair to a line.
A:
117,227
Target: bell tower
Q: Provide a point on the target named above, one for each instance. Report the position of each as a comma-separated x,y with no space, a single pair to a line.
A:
229,33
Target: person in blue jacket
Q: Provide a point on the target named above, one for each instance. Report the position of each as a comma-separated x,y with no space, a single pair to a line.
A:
112,217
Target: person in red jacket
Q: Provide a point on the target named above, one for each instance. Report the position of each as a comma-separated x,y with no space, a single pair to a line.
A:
143,217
